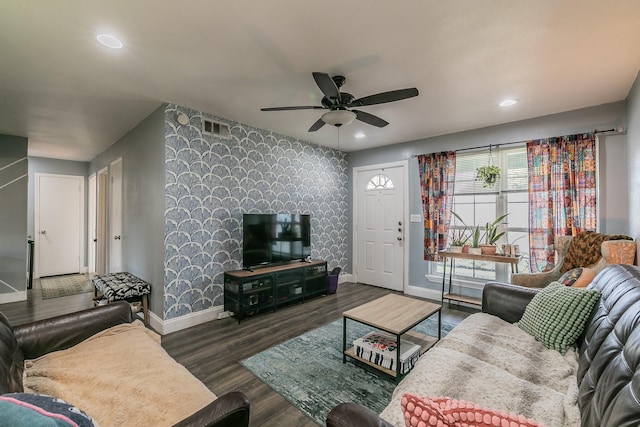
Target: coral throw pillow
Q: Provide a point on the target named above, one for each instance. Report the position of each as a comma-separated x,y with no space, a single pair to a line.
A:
446,412
578,277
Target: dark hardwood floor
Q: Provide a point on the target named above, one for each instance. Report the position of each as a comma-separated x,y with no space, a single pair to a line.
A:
212,351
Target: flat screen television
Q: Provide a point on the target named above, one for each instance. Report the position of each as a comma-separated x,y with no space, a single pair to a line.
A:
275,238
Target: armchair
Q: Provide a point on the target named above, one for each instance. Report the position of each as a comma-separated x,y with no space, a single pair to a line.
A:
614,249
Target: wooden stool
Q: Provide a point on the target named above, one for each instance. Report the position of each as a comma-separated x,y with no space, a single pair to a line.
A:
123,286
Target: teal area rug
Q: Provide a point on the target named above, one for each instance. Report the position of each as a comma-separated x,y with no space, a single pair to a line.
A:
308,370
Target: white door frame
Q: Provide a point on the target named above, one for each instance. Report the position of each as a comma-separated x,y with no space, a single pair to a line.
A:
92,232
36,219
404,164
102,201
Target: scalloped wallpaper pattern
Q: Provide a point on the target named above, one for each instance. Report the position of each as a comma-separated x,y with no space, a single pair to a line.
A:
211,182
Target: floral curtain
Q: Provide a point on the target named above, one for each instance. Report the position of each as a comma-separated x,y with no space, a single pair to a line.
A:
437,178
562,193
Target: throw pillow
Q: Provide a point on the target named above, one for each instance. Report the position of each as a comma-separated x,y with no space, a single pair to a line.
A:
27,409
447,412
557,315
578,277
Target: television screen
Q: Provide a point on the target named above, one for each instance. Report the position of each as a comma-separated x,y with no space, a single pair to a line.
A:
275,238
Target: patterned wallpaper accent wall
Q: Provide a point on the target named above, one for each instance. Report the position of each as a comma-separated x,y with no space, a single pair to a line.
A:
211,182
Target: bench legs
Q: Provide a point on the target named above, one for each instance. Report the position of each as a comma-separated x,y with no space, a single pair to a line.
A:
145,309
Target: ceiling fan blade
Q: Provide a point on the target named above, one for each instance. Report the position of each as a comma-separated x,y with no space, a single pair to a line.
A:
301,107
317,125
370,119
383,97
327,86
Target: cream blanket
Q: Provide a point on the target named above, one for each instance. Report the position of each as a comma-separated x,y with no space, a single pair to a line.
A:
120,377
496,365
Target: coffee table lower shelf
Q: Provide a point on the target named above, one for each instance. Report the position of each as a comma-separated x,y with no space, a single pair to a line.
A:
424,341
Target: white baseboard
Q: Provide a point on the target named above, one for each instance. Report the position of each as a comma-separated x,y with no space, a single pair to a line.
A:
164,327
13,297
345,278
422,292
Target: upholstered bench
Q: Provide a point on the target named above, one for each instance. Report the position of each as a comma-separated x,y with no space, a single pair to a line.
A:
123,286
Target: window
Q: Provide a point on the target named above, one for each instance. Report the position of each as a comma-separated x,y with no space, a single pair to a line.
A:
477,205
379,182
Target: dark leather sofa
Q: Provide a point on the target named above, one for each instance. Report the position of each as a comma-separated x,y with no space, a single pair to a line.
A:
35,339
608,374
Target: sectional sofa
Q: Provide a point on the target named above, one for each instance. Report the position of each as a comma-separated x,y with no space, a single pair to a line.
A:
491,363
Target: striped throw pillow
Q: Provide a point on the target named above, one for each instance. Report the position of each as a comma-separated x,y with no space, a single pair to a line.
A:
557,315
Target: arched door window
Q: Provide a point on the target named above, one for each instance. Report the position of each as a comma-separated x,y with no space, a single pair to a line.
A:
379,182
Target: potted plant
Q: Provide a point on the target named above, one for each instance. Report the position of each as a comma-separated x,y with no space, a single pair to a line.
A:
488,175
492,235
475,242
459,238
461,241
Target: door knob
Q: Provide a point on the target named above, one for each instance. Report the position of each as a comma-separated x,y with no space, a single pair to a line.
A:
399,238
43,232
117,237
400,229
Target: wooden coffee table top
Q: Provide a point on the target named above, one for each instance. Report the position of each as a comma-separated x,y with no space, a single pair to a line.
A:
393,313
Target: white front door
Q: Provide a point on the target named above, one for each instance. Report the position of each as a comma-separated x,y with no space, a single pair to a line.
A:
379,227
58,221
115,217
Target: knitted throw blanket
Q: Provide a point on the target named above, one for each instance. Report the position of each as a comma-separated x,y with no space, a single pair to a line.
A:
584,249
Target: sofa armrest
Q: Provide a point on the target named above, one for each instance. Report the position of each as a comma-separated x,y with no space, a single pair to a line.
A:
352,414
228,410
506,301
59,333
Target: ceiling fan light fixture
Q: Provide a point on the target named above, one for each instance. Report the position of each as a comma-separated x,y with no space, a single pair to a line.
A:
338,118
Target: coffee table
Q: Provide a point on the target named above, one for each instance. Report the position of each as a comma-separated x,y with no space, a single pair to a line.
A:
397,315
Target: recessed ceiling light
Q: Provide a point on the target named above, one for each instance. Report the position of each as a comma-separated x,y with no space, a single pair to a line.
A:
109,41
359,135
508,102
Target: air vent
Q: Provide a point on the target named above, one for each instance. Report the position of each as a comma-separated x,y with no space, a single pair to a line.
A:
210,127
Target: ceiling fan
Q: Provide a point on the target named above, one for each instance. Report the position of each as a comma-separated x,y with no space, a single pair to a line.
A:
341,104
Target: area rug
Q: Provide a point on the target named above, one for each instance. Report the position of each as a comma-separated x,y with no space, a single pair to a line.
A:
308,370
62,286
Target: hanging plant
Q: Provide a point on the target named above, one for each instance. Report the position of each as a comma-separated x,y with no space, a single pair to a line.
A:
488,175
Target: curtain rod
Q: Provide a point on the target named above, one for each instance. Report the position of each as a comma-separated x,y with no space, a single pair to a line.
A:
521,142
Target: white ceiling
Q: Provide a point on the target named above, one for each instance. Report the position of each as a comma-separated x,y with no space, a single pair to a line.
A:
73,98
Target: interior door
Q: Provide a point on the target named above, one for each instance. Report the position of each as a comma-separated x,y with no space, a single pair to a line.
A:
380,227
58,223
101,222
115,217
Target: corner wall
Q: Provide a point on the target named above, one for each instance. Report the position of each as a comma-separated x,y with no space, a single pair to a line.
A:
633,159
13,218
142,153
211,182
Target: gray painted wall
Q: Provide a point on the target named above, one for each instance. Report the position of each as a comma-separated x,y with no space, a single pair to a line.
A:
142,151
633,158
59,167
613,194
13,213
606,116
